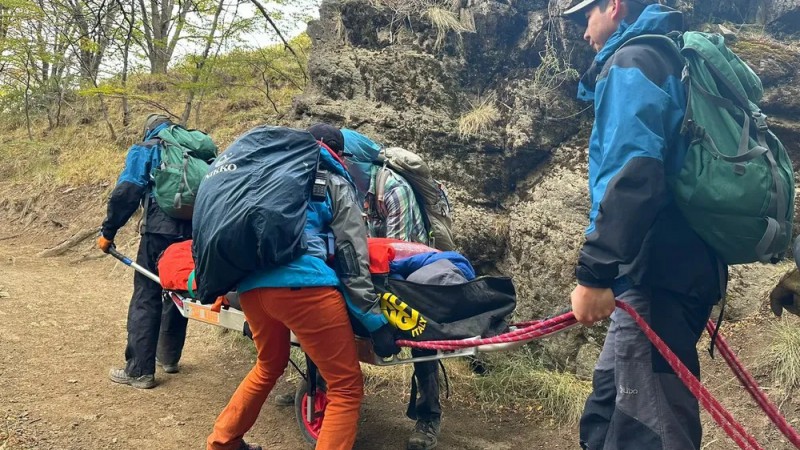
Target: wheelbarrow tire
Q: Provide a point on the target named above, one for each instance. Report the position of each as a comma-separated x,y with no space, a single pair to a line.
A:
310,431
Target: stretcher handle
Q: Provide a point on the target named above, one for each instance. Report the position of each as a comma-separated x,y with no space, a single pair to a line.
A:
128,262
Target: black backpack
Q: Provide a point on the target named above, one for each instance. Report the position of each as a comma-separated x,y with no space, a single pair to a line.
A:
250,211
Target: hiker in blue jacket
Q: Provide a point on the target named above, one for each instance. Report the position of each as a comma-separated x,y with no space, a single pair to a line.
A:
156,329
639,248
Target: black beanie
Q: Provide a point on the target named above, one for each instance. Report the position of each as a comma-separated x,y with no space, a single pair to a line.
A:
329,135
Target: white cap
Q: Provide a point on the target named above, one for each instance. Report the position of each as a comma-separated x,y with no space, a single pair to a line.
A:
579,7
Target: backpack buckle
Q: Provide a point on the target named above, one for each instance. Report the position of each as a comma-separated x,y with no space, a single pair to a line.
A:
760,120
685,75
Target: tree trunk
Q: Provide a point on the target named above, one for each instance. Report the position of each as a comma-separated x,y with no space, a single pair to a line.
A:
159,62
104,109
28,101
126,51
159,44
187,110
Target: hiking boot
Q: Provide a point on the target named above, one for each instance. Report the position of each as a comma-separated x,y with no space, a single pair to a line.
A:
424,435
168,368
283,399
245,446
141,382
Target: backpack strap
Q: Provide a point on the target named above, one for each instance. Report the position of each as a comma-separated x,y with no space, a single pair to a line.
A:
669,42
177,203
152,143
380,187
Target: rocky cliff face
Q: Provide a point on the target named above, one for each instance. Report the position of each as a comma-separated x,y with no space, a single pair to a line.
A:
485,89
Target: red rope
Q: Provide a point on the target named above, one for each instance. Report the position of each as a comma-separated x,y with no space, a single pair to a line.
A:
753,389
536,329
720,415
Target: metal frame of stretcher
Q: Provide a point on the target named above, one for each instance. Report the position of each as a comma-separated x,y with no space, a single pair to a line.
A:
233,319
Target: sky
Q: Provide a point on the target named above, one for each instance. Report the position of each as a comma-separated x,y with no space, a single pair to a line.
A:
294,22
291,17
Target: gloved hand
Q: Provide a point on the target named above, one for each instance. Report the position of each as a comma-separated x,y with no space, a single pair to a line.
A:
383,341
104,244
786,294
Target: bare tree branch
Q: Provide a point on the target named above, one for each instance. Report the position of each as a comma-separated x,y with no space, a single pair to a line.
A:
280,35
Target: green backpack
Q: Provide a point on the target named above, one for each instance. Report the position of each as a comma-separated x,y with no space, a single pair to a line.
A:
185,158
736,186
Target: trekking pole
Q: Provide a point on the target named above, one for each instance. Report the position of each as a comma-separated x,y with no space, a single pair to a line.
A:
128,262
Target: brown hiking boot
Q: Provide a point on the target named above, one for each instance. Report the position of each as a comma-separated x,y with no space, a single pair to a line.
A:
141,382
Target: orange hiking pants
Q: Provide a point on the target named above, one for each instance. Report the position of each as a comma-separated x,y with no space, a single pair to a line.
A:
319,320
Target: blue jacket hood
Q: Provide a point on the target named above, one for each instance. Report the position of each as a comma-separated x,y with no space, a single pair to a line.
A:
154,132
361,147
655,19
362,151
330,163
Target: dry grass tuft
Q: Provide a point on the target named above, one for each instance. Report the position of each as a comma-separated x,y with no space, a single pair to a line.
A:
478,121
520,382
445,21
782,358
554,69
443,14
515,382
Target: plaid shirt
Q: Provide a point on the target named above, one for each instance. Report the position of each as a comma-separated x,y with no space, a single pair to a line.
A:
399,216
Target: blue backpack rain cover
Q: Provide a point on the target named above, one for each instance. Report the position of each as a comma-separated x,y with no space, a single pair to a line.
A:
361,154
250,210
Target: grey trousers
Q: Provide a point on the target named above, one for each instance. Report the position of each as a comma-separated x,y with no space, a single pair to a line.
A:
638,403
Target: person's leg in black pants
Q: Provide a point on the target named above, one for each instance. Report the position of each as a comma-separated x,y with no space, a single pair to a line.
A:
426,410
145,318
171,337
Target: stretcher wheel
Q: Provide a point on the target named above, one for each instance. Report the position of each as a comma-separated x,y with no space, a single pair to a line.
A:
310,429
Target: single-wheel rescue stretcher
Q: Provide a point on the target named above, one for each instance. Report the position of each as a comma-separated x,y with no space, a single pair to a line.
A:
310,397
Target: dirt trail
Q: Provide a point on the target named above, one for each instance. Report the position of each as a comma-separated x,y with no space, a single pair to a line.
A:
63,327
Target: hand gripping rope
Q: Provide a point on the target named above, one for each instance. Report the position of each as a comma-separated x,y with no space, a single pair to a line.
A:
529,331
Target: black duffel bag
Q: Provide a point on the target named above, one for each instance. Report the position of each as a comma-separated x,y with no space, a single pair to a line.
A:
424,312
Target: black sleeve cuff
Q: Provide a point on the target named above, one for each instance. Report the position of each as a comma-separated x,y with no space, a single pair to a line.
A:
108,233
585,278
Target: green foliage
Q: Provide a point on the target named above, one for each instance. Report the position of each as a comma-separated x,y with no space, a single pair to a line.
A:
239,89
